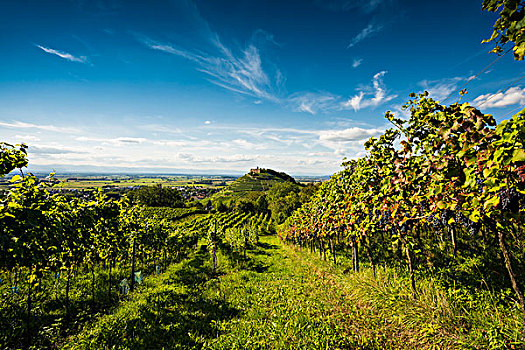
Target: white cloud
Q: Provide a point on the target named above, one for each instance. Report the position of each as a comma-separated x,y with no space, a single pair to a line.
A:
235,158
64,55
242,143
228,148
242,73
50,150
23,125
170,143
357,62
26,138
366,6
207,122
346,135
118,140
370,97
313,102
365,33
442,88
161,128
512,96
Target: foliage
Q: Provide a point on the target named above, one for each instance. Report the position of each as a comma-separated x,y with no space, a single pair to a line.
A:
171,214
12,157
452,190
509,27
44,234
157,196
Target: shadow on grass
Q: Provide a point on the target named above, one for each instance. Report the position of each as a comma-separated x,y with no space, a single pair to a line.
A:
174,313
174,320
264,245
246,262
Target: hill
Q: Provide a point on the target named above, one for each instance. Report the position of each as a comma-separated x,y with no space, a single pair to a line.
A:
257,180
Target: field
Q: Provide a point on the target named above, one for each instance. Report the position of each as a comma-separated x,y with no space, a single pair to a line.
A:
132,181
127,181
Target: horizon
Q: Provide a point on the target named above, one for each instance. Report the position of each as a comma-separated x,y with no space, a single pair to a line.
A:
208,88
146,173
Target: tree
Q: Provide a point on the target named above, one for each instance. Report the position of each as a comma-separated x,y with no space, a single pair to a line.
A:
157,196
261,204
307,192
282,189
245,206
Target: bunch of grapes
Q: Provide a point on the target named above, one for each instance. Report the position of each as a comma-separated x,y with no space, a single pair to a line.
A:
385,218
436,222
423,206
472,227
479,183
509,200
460,218
445,215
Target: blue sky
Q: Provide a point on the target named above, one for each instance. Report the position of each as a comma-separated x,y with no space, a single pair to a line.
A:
223,86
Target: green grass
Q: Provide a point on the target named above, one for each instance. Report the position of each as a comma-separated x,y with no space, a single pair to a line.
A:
436,317
266,301
280,297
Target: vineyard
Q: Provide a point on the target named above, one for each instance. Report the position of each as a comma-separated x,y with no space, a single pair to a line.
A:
448,202
67,260
417,243
443,210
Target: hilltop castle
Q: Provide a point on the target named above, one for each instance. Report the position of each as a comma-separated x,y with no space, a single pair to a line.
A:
257,170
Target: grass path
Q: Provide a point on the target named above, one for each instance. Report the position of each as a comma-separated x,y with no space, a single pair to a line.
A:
276,298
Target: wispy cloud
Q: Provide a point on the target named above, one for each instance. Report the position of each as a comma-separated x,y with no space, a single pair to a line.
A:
370,96
357,62
346,142
313,102
118,140
364,33
64,55
52,150
23,125
350,134
26,138
159,128
235,158
241,72
512,96
442,88
242,143
366,6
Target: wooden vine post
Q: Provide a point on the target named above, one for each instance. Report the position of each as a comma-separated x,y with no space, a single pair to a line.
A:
214,247
355,253
132,285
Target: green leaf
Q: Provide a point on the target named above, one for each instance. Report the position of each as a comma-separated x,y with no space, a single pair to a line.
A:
491,202
441,205
518,155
